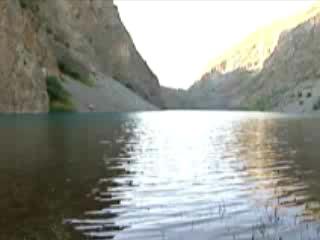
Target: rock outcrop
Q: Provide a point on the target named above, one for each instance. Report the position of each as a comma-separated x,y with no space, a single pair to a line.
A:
23,55
81,39
276,69
290,78
89,37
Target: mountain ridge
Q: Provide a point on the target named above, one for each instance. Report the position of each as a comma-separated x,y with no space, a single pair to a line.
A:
283,76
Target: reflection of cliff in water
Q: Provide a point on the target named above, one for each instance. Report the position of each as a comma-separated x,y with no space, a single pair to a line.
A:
109,191
48,164
281,159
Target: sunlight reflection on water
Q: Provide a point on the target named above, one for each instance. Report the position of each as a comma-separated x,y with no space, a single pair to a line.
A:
203,175
163,175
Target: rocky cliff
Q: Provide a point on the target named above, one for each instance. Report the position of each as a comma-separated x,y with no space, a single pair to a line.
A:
23,55
84,40
276,68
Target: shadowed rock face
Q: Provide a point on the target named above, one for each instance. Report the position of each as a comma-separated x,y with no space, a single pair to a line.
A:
90,36
22,83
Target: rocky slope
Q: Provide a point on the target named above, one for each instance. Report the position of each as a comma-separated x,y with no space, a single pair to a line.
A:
276,68
84,40
107,95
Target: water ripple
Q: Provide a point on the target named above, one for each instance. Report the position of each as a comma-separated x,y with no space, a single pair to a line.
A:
236,178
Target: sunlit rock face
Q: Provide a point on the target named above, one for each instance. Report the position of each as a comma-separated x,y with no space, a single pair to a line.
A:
23,55
276,68
90,37
293,70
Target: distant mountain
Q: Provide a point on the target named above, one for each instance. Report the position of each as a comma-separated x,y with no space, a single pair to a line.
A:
276,68
174,98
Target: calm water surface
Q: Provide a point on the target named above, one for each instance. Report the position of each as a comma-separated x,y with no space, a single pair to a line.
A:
160,175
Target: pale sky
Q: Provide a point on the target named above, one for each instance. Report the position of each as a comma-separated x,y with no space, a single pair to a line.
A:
178,38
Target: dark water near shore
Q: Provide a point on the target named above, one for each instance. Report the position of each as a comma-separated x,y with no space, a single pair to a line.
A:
160,175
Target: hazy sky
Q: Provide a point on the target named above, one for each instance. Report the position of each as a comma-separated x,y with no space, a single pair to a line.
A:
178,38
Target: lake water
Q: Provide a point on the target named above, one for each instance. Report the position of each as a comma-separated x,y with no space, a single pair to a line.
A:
177,175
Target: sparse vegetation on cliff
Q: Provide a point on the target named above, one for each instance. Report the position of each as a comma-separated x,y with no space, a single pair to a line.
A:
67,70
29,4
261,104
60,99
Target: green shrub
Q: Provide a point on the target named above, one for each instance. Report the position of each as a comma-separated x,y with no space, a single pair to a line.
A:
264,104
261,104
316,104
60,99
49,30
23,3
67,70
64,68
129,86
309,94
90,81
62,107
55,89
29,4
